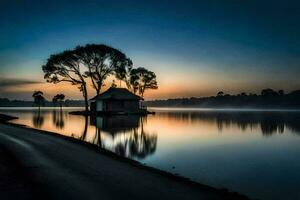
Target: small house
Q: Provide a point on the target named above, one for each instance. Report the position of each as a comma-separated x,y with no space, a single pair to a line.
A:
116,100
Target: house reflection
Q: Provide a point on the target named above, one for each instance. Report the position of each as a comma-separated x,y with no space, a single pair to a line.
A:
116,124
129,138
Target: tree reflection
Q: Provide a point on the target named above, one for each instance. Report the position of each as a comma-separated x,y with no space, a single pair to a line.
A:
139,144
269,127
84,133
269,122
130,139
58,119
97,137
38,119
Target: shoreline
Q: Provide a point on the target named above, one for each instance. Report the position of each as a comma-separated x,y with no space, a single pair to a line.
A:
223,192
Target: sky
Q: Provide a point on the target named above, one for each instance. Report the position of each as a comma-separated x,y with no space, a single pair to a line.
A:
196,48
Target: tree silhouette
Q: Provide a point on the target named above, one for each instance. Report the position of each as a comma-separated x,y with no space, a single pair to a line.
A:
123,74
268,92
220,94
38,98
281,92
142,79
269,98
59,98
103,61
66,67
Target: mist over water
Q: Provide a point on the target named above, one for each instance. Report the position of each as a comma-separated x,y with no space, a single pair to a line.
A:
254,152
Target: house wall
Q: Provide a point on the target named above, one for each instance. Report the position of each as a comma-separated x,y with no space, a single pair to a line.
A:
132,105
119,105
99,105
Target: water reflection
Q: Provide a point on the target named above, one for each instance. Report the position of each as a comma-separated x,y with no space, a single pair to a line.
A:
84,132
218,148
129,137
38,119
58,117
269,122
116,124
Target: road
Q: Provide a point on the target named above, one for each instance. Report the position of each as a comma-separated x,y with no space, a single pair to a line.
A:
35,165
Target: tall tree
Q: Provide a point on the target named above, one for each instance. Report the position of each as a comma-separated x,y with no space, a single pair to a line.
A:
59,98
38,98
142,79
67,67
123,74
101,62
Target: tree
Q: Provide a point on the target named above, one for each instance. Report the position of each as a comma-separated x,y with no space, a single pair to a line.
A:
142,79
123,74
220,94
59,98
103,61
67,67
268,92
38,98
281,92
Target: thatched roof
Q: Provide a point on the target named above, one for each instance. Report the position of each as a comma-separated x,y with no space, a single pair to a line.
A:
118,94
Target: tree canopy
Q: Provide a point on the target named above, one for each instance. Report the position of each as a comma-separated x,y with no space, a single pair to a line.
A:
38,98
97,62
59,98
66,67
102,61
142,79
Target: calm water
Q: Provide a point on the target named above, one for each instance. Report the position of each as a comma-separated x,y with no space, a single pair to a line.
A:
250,151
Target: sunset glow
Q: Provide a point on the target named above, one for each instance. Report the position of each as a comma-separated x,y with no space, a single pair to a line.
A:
196,50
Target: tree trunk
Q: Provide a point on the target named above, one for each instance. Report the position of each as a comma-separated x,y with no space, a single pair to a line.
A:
98,132
85,97
85,128
98,89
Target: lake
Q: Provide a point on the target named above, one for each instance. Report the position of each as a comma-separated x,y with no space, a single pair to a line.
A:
254,152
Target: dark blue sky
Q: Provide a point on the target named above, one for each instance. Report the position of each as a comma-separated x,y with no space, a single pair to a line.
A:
196,48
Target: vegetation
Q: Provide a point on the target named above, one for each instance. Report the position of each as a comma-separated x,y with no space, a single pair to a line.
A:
4,102
38,98
268,98
272,99
59,98
96,63
102,61
142,79
66,67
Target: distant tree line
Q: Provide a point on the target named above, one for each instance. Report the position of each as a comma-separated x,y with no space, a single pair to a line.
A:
5,102
268,98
